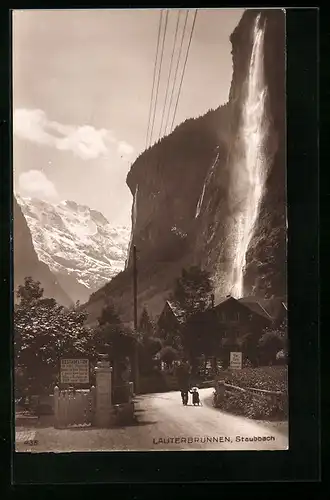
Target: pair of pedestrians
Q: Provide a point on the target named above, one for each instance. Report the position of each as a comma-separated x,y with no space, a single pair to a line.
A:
195,396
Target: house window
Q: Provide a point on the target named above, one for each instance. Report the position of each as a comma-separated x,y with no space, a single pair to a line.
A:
234,318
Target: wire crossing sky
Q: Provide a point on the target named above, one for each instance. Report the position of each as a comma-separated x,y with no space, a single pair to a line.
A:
82,81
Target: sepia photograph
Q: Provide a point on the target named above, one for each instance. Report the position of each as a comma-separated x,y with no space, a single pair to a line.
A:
149,230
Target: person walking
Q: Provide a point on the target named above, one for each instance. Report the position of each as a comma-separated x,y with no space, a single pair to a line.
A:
182,375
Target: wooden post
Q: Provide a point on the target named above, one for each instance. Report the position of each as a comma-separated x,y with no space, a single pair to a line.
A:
56,406
135,287
136,361
92,404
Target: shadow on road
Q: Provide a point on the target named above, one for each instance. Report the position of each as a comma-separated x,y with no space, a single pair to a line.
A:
137,423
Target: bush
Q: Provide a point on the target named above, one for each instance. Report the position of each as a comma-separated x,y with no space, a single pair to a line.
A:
168,355
256,406
248,405
158,382
269,344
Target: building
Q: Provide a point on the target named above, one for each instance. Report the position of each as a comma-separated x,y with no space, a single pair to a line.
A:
169,324
233,324
276,307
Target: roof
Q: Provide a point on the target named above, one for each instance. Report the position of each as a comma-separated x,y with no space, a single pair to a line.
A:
250,302
221,300
256,307
272,307
178,313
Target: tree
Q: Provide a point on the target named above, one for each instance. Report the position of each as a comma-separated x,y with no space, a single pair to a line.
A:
270,344
109,316
43,333
191,296
192,291
116,340
149,344
168,354
148,348
30,292
146,326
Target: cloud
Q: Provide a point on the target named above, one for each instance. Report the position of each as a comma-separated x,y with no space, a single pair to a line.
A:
35,184
125,149
85,142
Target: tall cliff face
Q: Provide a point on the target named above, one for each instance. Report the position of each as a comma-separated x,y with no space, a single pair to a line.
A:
26,262
185,189
265,271
266,259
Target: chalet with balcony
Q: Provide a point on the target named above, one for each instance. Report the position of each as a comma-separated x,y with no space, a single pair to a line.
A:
235,319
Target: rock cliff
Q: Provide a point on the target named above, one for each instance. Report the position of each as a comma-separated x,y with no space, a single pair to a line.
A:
184,186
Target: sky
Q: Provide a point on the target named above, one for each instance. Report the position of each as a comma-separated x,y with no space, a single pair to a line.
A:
82,82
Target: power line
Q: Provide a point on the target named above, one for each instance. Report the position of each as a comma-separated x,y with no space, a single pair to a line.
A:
159,73
184,68
176,70
153,82
169,74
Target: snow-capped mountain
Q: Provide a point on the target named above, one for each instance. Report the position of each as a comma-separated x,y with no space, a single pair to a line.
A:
77,243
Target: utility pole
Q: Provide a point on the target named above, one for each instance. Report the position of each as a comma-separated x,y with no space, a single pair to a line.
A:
136,362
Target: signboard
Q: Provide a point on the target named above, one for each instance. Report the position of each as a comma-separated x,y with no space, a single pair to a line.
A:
74,371
236,360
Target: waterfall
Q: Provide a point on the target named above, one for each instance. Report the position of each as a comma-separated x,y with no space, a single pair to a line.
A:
134,216
207,180
251,165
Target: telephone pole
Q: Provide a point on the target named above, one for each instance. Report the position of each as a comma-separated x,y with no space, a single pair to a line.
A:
136,361
135,288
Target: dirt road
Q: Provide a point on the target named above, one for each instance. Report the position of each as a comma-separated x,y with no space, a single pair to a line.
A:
163,423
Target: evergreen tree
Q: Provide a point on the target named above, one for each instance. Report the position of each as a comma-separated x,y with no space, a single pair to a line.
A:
191,296
109,316
146,327
192,292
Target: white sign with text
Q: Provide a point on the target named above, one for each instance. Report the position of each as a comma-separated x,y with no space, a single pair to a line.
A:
236,360
74,371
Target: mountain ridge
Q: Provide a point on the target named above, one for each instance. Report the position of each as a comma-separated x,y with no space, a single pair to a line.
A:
26,262
78,244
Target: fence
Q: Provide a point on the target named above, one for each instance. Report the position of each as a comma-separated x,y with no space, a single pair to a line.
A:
73,407
222,390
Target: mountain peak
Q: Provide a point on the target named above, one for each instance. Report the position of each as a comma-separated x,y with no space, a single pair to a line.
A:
78,244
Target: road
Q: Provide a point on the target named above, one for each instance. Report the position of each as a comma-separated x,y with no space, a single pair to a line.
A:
163,423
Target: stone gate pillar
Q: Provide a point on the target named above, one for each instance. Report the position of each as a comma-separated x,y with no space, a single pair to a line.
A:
103,409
